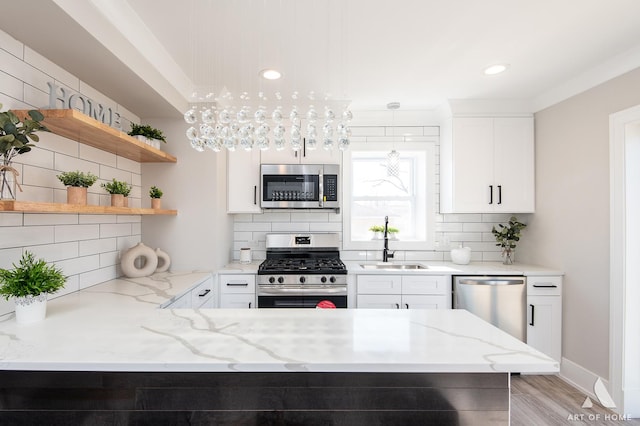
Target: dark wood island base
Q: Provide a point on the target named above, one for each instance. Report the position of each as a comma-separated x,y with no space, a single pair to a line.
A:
253,398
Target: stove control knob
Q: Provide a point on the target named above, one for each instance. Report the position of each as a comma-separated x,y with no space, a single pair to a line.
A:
302,280
323,279
332,279
280,280
272,280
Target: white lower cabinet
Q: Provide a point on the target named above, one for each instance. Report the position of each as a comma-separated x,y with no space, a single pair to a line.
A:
200,296
544,315
237,291
403,292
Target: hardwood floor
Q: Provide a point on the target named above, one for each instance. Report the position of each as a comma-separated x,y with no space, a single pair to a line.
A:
549,401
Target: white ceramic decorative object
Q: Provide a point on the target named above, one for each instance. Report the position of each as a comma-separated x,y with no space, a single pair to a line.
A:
164,261
245,255
149,264
30,309
461,255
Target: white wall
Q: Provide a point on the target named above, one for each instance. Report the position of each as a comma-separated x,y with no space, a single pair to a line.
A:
570,229
86,247
199,237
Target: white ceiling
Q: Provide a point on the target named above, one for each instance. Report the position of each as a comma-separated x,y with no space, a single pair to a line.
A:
151,55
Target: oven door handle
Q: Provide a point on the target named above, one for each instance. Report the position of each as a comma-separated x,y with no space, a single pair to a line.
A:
320,291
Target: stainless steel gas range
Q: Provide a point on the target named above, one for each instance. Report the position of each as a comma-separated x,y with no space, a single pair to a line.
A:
302,271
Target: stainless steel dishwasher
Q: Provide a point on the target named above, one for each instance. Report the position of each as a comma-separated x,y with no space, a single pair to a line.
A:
500,300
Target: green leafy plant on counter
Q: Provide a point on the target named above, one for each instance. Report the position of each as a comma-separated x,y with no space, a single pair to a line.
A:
507,235
30,277
77,178
117,187
155,192
146,131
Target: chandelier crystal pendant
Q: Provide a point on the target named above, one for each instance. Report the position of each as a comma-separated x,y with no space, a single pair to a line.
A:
243,128
393,158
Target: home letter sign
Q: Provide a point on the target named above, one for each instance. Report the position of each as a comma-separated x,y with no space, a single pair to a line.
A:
59,97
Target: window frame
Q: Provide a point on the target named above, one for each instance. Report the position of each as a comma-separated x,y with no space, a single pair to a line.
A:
429,194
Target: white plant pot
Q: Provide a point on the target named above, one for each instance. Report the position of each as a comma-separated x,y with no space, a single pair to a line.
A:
31,309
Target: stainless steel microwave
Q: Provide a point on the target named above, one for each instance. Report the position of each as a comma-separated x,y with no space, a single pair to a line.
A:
300,186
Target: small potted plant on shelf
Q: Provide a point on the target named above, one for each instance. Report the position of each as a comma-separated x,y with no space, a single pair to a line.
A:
118,191
77,183
29,283
156,194
507,236
147,134
14,140
377,231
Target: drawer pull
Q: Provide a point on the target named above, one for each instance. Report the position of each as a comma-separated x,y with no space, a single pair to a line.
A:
406,306
545,285
203,293
237,284
249,305
397,306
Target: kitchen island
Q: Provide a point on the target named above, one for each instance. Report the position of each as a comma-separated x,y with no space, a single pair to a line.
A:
110,351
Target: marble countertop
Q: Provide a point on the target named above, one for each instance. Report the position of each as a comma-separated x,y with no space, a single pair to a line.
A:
432,268
117,326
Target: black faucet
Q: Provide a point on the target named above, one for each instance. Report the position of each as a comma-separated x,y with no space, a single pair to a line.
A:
385,251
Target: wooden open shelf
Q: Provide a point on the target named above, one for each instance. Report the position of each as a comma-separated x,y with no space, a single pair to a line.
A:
79,127
34,207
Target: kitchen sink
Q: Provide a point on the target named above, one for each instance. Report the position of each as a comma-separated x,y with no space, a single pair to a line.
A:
393,266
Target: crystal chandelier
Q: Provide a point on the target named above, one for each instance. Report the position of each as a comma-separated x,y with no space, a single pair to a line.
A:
234,127
393,157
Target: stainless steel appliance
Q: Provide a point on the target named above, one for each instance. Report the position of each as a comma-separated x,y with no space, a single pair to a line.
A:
499,300
302,271
300,186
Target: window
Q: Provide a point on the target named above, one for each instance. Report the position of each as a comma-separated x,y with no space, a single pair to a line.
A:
373,191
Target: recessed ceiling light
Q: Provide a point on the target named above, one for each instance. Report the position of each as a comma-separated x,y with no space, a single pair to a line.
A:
271,74
496,69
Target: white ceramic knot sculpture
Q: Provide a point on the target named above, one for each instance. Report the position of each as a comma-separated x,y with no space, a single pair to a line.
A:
152,261
461,255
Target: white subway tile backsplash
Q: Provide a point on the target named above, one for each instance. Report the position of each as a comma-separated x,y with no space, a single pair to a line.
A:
109,259
98,218
272,217
97,276
23,71
476,227
67,163
243,236
108,173
128,165
36,193
52,70
65,233
97,155
290,227
26,236
325,227
36,97
129,218
55,252
136,229
9,256
78,265
11,219
11,86
70,286
59,146
125,243
37,157
250,226
102,245
35,219
37,176
310,217
109,230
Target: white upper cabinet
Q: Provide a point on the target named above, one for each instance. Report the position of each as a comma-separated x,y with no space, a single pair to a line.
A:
487,165
304,156
243,181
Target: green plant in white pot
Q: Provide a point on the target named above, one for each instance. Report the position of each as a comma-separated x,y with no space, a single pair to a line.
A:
29,283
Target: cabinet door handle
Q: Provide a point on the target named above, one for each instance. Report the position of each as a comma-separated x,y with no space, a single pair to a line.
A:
304,147
545,285
255,195
406,305
499,194
249,305
237,284
397,306
490,194
533,312
204,292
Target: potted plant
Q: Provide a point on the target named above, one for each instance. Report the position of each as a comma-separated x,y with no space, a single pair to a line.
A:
156,194
77,183
118,190
377,231
147,134
14,140
507,236
29,283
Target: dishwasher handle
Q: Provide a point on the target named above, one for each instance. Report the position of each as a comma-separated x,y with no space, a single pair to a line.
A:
492,281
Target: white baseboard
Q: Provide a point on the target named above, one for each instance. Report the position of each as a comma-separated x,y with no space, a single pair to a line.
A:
579,377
